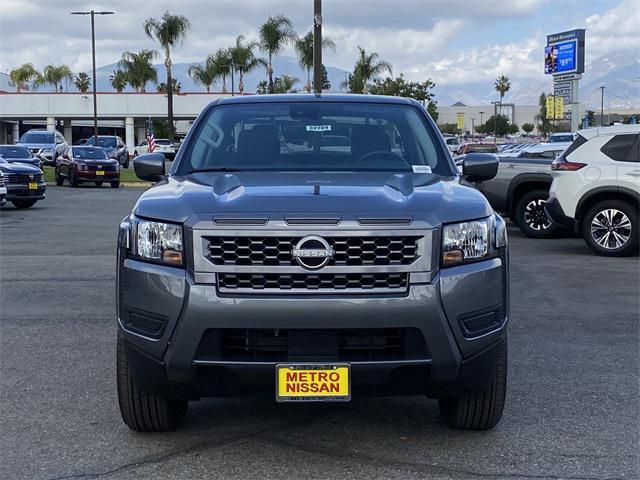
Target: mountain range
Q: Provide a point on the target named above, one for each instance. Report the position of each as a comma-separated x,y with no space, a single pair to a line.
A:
619,71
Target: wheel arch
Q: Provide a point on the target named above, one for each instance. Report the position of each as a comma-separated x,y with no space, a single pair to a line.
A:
600,194
523,183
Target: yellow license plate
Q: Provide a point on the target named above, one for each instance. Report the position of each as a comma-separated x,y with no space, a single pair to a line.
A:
99,172
33,186
313,382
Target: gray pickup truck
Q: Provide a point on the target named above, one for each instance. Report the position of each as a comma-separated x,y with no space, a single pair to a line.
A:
313,248
520,190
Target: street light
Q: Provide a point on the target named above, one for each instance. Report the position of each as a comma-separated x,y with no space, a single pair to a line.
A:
609,109
93,13
602,105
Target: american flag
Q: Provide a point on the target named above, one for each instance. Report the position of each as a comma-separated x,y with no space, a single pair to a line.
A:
151,141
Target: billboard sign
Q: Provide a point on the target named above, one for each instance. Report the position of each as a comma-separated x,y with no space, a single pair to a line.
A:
564,53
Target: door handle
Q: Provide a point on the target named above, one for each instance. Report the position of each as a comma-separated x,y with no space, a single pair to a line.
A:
634,173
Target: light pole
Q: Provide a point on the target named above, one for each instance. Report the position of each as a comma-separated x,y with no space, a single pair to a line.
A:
609,109
93,13
231,67
473,128
602,105
317,46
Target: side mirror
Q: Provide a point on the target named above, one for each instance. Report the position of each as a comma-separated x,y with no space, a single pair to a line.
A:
479,167
149,166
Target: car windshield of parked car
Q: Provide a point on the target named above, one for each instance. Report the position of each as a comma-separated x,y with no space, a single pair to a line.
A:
104,142
300,136
84,153
14,151
37,137
481,148
164,143
561,138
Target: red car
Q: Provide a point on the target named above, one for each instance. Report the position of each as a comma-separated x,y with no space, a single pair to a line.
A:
87,164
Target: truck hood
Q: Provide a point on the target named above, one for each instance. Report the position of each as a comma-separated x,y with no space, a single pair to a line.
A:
425,197
19,168
47,146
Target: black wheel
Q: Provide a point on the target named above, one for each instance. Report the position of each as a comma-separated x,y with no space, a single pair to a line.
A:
98,184
126,163
530,217
481,410
73,180
24,203
115,184
140,410
610,228
135,154
59,178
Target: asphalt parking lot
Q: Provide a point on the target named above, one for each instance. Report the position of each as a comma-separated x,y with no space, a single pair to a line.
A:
573,395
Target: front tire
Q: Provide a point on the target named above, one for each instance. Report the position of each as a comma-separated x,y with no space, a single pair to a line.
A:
24,203
140,410
59,178
480,410
115,184
98,184
610,228
73,179
530,217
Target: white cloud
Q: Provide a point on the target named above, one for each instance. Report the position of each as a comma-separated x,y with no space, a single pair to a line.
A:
615,29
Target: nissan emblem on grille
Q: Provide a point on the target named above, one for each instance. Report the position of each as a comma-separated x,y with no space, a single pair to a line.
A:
312,252
31,176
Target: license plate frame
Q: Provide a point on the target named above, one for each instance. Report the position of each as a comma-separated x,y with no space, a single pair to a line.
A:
33,185
100,173
339,368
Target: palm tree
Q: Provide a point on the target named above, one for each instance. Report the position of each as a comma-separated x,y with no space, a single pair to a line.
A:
368,67
82,82
55,74
169,31
285,84
24,74
502,86
275,33
244,59
138,68
304,49
118,80
176,87
222,62
205,74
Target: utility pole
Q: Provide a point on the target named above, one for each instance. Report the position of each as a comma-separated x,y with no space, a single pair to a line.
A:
602,105
481,114
473,128
317,46
93,58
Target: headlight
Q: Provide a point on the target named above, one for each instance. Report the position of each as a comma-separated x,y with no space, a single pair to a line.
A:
83,167
160,242
465,242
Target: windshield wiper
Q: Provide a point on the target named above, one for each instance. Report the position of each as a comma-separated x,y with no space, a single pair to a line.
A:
219,169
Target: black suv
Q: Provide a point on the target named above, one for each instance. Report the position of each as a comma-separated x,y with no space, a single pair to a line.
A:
25,183
314,248
113,145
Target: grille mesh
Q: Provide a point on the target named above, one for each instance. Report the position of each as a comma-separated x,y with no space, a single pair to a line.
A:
22,177
322,281
348,251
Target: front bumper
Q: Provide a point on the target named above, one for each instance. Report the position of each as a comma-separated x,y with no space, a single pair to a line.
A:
554,211
169,364
92,177
22,192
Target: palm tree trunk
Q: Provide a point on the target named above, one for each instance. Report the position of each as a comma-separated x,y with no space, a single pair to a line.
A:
241,82
170,126
308,80
270,74
224,83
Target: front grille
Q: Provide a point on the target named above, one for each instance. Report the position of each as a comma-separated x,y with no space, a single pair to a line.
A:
106,168
277,345
348,251
17,178
312,282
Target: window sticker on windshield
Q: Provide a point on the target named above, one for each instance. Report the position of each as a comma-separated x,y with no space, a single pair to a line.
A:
421,168
318,128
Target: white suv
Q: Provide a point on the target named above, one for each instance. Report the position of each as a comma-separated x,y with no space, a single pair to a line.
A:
596,188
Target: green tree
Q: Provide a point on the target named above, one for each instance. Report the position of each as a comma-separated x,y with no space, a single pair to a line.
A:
528,127
450,128
501,122
138,68
169,31
304,50
55,74
176,86
82,82
591,117
283,84
222,61
118,80
275,33
23,75
367,68
326,84
399,87
244,59
502,86
205,74
543,124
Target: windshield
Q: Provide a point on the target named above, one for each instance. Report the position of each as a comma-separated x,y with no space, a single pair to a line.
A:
104,142
15,152
37,137
164,143
85,153
561,138
484,148
315,137
452,141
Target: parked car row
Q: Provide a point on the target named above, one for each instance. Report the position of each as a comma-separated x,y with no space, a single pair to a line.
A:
590,186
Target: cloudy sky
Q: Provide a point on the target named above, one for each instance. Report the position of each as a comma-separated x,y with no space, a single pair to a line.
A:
451,41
